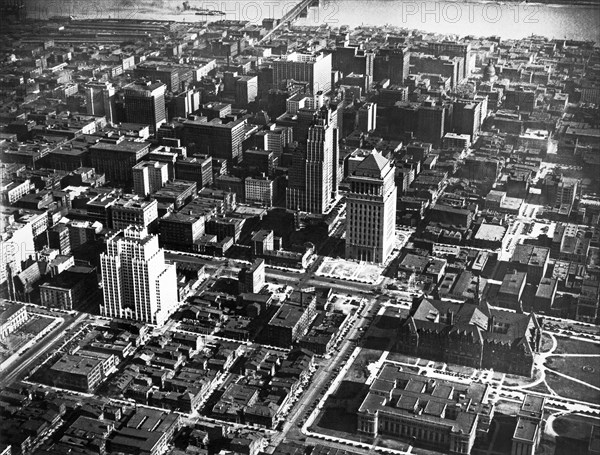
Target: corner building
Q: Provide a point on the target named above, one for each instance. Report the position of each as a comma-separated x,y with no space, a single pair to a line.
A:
371,210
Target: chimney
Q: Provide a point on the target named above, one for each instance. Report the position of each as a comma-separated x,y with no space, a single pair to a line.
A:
450,317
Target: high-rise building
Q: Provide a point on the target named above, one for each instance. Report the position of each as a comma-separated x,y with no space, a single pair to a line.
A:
116,158
145,104
149,176
197,169
311,182
100,99
352,59
468,116
246,90
260,189
252,279
431,122
274,139
453,49
314,69
367,117
215,138
566,190
392,63
371,210
128,211
184,103
137,282
16,245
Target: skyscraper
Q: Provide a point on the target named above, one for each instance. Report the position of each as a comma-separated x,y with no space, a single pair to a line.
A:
100,99
145,104
371,210
314,69
137,282
311,183
367,117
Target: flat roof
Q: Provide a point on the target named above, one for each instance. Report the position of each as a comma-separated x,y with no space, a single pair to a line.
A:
491,232
525,430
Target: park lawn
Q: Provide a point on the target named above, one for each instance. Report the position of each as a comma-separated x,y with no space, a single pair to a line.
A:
573,434
569,346
333,421
35,325
467,371
571,389
585,369
546,343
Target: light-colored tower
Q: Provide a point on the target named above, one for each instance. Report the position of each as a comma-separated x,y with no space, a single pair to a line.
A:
136,281
319,167
311,187
149,176
371,210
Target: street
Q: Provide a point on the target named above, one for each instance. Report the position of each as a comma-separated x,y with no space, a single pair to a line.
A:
18,370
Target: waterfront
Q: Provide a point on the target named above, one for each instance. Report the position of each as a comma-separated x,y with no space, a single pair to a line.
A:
481,18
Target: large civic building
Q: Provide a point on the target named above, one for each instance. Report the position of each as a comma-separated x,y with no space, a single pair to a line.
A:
371,210
137,282
471,334
440,414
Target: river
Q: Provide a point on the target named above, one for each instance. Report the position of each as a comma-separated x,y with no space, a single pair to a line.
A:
469,17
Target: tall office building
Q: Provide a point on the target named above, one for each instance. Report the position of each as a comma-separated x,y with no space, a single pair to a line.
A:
311,183
196,169
315,69
352,59
468,116
149,176
453,49
137,282
367,117
371,210
246,90
431,120
215,138
145,104
392,63
100,99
